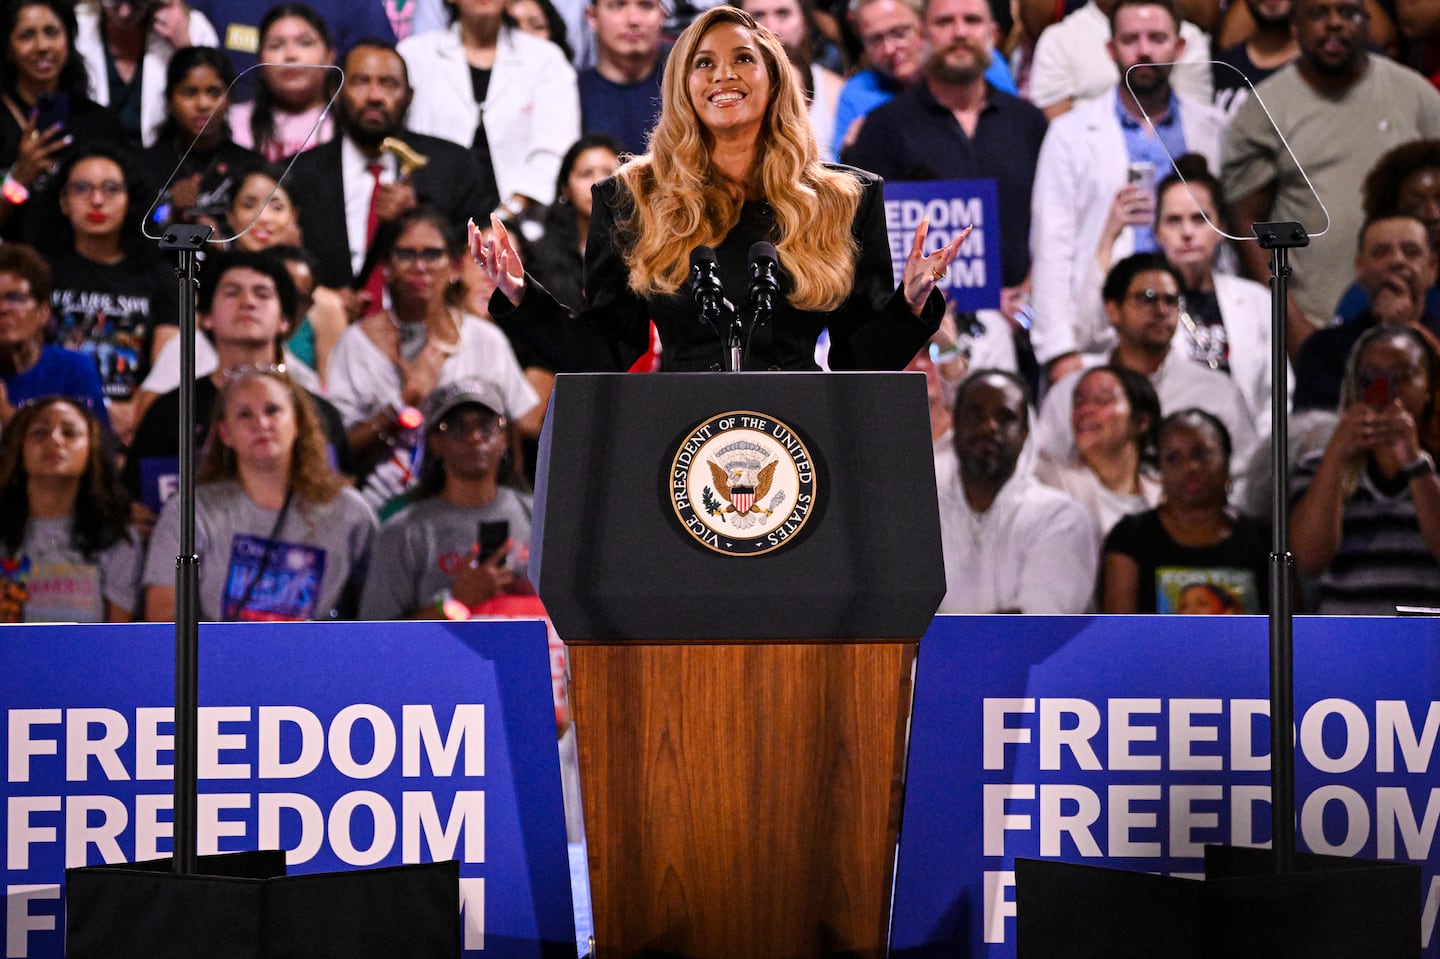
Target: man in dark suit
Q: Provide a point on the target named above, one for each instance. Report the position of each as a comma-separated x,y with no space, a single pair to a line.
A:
346,188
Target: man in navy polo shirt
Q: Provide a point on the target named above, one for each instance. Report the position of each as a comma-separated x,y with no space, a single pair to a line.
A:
956,125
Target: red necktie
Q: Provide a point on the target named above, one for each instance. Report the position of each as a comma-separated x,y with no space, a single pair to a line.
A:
375,282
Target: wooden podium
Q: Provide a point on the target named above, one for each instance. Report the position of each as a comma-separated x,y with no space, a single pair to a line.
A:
740,698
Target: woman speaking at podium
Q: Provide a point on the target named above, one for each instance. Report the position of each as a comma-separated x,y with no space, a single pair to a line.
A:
732,161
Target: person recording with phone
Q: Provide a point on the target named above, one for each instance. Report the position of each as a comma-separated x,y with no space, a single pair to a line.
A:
732,163
1394,265
1366,516
461,544
43,87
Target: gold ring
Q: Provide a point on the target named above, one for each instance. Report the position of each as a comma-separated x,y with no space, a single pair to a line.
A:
939,274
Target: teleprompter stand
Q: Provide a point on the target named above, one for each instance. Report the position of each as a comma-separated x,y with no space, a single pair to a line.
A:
740,719
1267,903
241,906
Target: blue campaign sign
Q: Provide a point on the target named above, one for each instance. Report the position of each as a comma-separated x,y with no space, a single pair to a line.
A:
347,744
973,282
1133,742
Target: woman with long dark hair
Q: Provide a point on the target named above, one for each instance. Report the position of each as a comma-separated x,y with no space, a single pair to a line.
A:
66,552
114,298
47,108
557,259
197,119
1367,507
127,45
384,367
283,535
732,161
1111,470
290,98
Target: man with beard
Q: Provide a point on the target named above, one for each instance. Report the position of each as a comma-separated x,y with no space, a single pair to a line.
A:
1142,303
1071,66
1011,544
1340,108
1395,266
1100,162
890,33
955,125
1269,47
351,174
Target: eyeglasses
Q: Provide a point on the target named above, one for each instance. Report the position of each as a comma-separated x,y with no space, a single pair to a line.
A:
82,189
1171,301
489,427
425,254
254,369
874,41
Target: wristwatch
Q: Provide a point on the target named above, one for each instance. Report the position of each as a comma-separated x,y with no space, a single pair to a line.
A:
1424,465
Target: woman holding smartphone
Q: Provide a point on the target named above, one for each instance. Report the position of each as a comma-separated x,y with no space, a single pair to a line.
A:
1367,509
461,545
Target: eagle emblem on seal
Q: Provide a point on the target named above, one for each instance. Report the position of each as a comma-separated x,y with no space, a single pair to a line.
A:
743,473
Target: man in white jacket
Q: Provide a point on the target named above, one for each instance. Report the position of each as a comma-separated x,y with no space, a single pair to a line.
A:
1088,155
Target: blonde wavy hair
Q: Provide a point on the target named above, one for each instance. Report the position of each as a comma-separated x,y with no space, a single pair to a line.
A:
679,200
311,477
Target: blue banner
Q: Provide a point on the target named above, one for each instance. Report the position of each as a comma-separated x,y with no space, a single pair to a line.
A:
973,282
348,745
1132,742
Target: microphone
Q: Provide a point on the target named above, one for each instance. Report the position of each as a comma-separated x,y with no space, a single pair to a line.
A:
707,289
764,283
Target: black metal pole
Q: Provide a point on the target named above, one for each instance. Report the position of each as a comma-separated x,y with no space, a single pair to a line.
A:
187,242
1279,239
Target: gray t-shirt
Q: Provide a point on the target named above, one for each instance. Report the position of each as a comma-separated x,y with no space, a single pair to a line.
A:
419,549
1337,140
313,562
49,581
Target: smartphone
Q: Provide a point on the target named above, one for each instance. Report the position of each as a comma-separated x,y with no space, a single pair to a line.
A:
52,109
1142,175
1378,391
493,534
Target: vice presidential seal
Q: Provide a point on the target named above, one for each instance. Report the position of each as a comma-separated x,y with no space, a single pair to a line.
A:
743,483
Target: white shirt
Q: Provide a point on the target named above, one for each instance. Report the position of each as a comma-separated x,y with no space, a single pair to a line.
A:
1071,61
1033,550
359,186
165,371
361,380
1180,384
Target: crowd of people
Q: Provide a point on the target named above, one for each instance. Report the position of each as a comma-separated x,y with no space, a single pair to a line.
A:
373,380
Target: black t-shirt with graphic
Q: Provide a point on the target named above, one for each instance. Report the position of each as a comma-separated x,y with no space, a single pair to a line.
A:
109,312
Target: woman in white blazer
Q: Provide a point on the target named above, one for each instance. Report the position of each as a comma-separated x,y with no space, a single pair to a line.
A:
164,33
531,109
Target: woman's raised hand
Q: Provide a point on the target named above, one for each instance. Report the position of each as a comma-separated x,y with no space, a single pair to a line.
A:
923,272
497,256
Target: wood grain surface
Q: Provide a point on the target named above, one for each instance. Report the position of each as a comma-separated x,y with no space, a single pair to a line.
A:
741,800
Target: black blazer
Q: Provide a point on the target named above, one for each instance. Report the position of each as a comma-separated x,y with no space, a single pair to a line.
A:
872,330
448,182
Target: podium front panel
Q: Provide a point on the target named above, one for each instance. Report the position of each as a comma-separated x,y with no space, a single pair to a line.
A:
838,540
